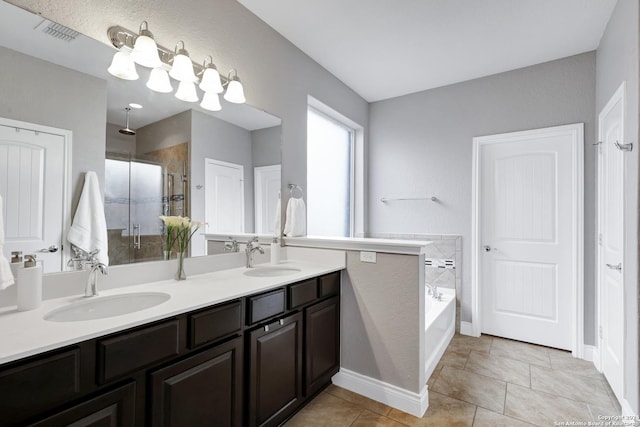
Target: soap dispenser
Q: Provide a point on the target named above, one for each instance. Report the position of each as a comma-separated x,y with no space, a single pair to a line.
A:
16,264
275,251
29,284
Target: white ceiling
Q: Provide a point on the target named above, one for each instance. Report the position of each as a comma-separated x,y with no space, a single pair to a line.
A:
386,48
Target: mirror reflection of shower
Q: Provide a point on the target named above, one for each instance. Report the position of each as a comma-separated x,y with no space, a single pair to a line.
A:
174,200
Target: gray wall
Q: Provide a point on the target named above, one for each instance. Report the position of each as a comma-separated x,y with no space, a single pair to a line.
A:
216,139
617,61
265,146
421,145
164,133
276,75
64,99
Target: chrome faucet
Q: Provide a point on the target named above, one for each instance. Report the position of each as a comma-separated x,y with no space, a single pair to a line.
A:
91,290
433,291
252,246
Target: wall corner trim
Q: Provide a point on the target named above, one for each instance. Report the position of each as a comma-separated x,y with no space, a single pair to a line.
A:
412,403
467,328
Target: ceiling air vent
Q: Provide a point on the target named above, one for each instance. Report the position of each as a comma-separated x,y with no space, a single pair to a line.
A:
58,31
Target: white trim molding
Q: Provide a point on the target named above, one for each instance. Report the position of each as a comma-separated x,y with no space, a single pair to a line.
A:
412,403
577,132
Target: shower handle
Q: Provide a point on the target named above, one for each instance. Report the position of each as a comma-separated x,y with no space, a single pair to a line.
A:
136,236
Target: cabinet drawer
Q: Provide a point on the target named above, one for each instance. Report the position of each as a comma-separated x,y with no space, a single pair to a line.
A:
131,351
39,385
261,307
214,323
330,284
303,293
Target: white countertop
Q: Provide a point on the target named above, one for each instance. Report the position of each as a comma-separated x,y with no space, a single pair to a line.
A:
26,333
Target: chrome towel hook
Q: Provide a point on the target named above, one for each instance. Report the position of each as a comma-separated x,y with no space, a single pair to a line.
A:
624,147
293,188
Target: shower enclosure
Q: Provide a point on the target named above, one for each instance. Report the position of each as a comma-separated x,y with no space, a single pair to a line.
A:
137,192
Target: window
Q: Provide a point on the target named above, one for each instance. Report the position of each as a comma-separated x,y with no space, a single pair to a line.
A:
330,169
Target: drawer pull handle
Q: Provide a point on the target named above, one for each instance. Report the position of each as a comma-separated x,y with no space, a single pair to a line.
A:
281,322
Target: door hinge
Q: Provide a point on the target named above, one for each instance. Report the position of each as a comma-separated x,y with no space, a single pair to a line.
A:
600,239
600,332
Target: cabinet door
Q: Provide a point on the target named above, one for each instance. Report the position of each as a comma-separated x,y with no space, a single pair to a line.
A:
202,390
322,344
114,408
275,371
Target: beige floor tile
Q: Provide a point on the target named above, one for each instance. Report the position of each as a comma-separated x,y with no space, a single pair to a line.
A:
501,368
470,387
524,352
564,361
597,413
487,418
326,410
612,396
465,342
583,389
443,411
371,419
541,408
456,358
357,399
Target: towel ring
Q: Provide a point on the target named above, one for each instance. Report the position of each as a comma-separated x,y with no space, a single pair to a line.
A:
293,188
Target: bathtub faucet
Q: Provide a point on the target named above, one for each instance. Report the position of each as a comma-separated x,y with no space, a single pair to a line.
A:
433,291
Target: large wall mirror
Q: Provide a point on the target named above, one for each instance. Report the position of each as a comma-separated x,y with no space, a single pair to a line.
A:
222,168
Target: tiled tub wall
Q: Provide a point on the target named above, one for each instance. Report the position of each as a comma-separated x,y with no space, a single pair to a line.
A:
442,272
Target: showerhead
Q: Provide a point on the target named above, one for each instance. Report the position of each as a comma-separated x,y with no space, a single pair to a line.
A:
126,130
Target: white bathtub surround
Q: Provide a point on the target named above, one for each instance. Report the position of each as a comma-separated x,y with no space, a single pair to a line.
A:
439,326
36,335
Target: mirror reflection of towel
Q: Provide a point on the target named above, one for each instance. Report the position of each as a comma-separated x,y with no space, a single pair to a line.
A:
296,218
89,229
6,278
278,224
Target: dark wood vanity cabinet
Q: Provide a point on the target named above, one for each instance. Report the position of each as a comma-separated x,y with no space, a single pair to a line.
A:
253,361
275,370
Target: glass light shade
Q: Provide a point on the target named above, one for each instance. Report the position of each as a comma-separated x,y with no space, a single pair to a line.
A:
122,66
159,81
145,52
235,92
211,81
211,102
182,69
187,92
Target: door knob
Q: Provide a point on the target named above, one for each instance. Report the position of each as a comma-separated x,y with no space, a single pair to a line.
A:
52,248
617,267
487,248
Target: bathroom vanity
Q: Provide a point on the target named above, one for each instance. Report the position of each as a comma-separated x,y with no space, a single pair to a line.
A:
250,360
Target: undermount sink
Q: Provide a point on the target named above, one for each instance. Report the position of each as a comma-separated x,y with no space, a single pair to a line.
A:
271,271
109,306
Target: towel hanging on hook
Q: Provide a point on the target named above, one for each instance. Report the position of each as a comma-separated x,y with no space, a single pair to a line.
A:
292,188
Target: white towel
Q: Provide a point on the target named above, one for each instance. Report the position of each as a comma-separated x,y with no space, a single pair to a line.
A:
278,224
296,220
89,229
6,278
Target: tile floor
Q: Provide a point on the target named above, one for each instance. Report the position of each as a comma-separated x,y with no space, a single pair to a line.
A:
486,381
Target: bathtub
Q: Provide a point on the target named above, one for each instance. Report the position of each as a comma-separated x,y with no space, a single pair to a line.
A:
440,325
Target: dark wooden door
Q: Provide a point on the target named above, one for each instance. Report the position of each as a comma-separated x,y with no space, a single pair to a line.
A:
114,408
322,344
275,371
202,390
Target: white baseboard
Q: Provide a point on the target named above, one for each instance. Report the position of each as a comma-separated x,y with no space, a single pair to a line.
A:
590,353
391,395
627,411
466,328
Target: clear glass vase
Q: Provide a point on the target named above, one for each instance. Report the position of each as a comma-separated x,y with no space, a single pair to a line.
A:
166,255
180,274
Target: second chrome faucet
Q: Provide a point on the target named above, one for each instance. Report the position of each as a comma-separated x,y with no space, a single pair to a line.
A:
252,246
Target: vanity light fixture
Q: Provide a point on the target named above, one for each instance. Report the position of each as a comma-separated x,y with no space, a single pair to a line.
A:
176,64
187,92
211,101
145,50
235,91
159,81
211,78
182,68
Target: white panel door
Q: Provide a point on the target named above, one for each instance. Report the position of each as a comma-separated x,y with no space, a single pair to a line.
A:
611,242
267,192
527,235
224,197
32,186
